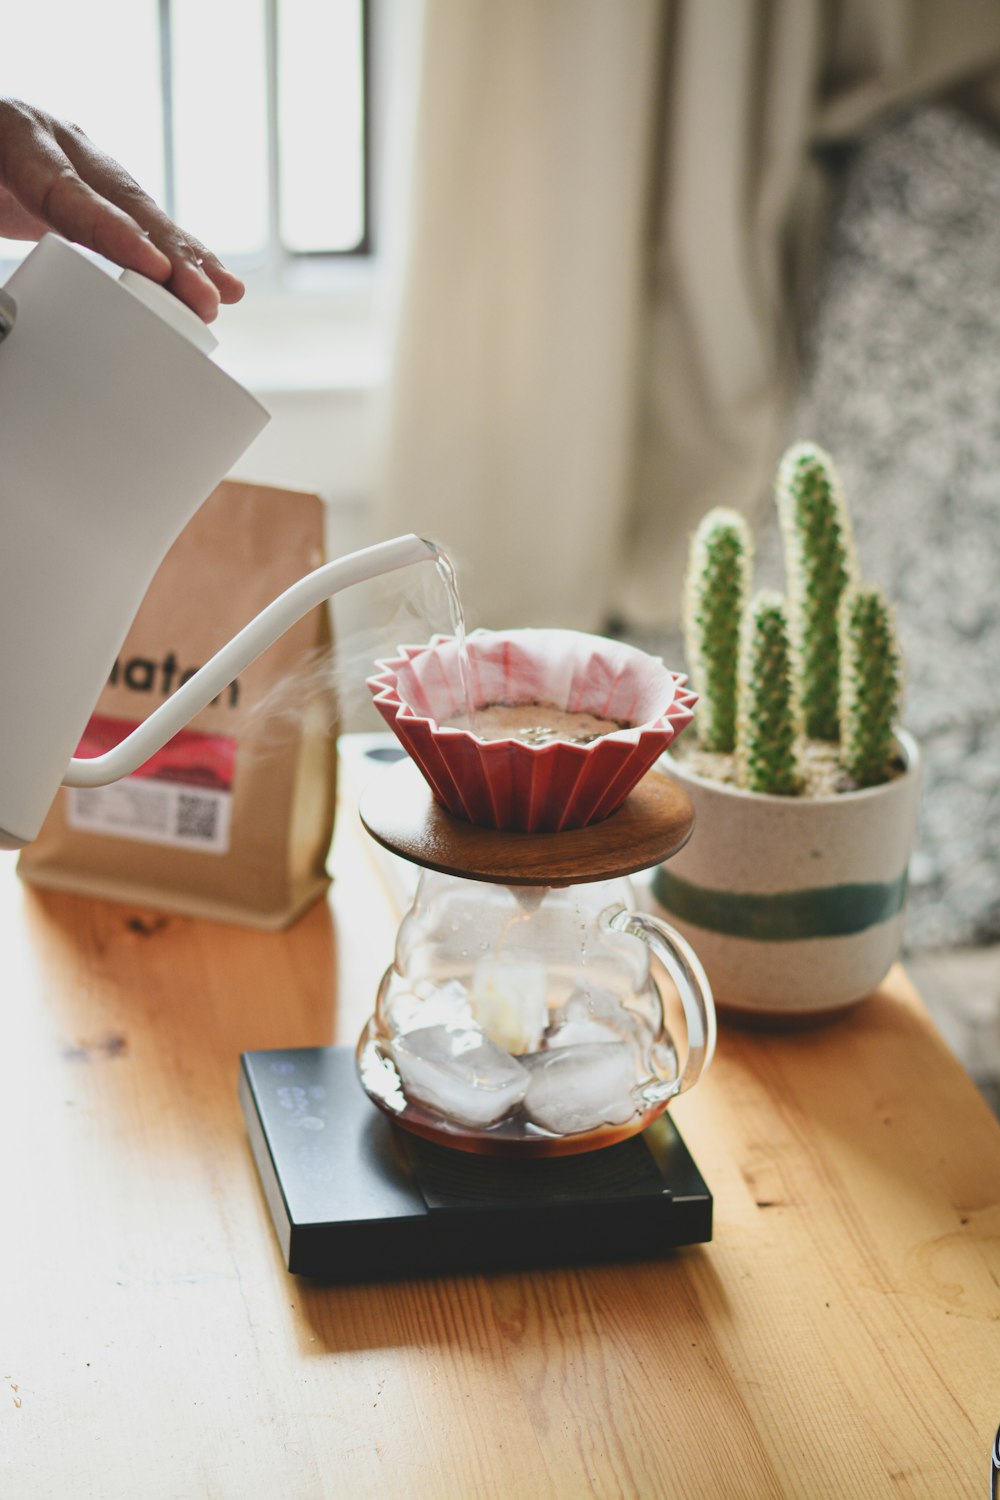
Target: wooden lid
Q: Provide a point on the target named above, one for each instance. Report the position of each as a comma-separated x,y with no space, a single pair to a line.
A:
399,811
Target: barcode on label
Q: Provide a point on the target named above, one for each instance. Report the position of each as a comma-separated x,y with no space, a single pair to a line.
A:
154,812
197,817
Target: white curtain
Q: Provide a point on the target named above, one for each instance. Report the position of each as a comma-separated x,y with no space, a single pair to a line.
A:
614,214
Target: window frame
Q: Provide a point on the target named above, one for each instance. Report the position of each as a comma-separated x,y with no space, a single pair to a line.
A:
272,268
314,323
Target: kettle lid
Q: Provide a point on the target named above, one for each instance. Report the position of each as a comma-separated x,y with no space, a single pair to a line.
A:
171,309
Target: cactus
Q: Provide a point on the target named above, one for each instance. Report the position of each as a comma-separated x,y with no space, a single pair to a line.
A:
839,676
766,719
715,593
871,685
819,559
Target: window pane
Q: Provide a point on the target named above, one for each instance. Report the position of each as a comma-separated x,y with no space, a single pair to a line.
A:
321,124
67,57
220,123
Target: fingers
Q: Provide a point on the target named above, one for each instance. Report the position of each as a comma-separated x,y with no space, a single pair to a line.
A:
76,212
196,276
229,287
56,178
15,221
39,177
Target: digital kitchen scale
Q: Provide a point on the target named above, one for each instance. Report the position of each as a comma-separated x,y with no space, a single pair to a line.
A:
355,1198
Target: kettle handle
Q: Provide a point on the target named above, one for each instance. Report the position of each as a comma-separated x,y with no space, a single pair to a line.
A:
684,967
8,313
217,673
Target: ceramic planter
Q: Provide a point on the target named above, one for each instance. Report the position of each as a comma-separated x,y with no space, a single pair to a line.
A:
795,906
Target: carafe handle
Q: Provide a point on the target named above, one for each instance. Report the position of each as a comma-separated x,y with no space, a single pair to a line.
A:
682,964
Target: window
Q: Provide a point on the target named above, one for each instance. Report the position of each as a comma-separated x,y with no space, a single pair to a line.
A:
245,119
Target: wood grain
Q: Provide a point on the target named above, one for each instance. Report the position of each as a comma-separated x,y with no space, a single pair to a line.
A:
653,822
839,1338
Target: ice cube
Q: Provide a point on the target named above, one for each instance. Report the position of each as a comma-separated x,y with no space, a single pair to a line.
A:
573,1033
437,1005
459,1072
509,998
590,1015
580,1088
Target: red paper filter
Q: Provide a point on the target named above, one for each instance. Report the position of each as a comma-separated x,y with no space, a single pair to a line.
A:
506,783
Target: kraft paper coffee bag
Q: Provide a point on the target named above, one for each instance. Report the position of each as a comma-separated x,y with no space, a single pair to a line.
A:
233,818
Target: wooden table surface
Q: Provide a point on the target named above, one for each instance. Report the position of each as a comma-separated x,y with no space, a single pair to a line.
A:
839,1337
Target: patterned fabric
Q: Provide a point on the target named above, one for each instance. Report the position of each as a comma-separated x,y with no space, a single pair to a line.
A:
902,387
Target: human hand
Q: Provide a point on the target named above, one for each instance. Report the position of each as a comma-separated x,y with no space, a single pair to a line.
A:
52,177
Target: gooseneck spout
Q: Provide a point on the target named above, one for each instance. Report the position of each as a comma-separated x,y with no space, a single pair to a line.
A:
232,659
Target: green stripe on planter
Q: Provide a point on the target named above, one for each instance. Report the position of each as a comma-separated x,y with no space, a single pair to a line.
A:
782,916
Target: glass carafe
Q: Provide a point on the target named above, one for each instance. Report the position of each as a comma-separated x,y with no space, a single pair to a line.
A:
526,1020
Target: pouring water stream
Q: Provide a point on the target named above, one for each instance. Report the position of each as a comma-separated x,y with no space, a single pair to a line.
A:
448,576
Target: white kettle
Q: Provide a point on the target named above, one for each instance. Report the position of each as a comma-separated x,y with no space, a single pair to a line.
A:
115,425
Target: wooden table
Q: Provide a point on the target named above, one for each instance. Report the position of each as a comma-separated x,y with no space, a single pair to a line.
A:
840,1336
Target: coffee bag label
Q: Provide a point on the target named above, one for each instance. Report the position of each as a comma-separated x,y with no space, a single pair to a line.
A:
232,820
181,797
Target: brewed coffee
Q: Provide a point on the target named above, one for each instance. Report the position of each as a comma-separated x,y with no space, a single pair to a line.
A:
534,724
